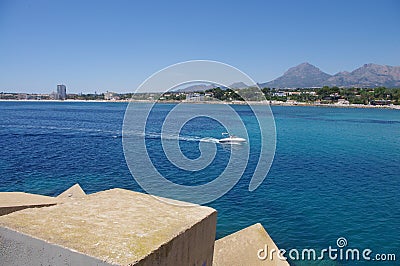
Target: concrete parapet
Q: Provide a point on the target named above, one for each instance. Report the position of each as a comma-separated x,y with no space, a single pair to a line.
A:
120,227
74,192
15,201
241,248
21,249
110,227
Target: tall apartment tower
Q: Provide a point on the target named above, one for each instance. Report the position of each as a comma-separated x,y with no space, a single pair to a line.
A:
61,92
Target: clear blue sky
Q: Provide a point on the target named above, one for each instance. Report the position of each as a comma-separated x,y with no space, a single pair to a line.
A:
115,45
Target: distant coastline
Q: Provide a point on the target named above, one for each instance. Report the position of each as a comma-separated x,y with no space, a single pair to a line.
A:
271,103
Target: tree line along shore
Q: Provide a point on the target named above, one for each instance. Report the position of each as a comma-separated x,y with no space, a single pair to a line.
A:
379,96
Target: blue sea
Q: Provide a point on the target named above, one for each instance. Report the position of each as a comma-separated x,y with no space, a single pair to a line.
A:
336,171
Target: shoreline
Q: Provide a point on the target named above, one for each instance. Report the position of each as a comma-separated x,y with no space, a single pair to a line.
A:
299,104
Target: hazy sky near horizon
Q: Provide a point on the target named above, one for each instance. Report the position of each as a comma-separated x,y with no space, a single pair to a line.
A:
115,45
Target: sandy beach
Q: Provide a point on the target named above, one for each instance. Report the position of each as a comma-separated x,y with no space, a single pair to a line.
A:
273,103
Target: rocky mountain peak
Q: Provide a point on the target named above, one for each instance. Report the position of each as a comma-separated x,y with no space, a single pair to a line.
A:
369,75
303,75
303,68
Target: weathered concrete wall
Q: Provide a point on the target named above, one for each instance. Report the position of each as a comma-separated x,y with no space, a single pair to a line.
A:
242,247
7,210
120,227
72,193
195,246
117,226
16,201
20,249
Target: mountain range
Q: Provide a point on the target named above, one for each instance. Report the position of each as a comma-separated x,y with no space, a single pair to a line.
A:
306,75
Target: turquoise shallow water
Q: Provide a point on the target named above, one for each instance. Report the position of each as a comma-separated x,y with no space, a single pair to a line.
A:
335,174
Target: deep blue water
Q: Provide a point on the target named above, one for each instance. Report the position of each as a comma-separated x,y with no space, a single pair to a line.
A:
336,171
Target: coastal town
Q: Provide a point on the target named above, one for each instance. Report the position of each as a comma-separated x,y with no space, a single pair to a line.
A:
324,96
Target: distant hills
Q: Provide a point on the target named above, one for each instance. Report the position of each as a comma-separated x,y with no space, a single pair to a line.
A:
303,75
197,87
306,75
203,87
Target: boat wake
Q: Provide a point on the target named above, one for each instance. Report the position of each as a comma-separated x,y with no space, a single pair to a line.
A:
165,136
180,138
115,134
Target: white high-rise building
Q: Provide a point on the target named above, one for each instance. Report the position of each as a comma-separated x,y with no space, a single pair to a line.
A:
61,92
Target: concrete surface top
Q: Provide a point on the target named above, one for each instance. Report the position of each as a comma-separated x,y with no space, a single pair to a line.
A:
73,192
17,199
241,248
117,226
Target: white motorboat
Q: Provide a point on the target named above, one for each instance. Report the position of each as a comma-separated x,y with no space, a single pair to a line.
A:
231,139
